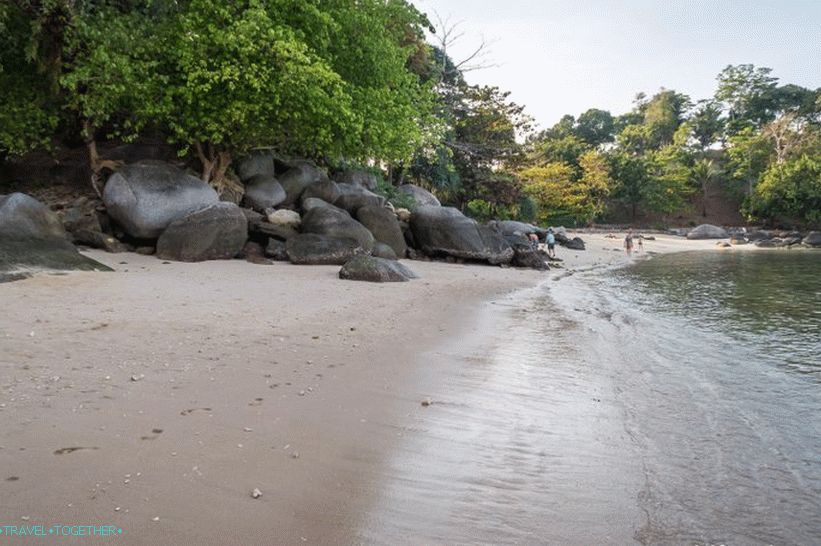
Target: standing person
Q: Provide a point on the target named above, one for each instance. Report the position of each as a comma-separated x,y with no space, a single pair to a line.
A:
534,240
550,239
628,242
640,243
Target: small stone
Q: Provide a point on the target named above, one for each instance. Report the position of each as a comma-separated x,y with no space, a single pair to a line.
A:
155,518
117,509
246,429
137,377
295,455
427,402
302,393
256,493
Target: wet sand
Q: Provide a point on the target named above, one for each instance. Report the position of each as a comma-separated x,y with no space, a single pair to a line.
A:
157,398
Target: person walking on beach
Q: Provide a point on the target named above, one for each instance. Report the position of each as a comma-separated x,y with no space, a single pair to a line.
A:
628,242
550,239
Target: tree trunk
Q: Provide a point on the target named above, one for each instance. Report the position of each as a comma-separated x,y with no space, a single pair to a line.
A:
95,163
215,168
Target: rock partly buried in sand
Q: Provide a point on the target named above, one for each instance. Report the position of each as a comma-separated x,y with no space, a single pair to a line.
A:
381,250
263,192
384,226
98,239
708,231
215,233
444,231
144,198
276,250
32,239
337,223
355,177
512,227
299,177
421,196
315,249
525,255
813,238
352,198
373,269
576,243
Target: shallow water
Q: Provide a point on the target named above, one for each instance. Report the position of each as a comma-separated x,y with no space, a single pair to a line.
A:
673,402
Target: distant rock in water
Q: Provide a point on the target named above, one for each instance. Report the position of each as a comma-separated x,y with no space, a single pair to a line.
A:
421,196
215,233
32,239
373,269
445,231
707,231
144,198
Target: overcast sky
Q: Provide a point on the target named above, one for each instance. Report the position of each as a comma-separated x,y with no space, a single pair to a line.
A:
564,56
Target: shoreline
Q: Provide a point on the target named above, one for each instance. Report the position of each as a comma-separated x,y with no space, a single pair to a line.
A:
186,386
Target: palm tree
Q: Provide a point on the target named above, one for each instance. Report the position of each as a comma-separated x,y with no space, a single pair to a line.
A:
701,174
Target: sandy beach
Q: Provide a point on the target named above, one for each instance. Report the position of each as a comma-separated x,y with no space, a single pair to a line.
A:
157,398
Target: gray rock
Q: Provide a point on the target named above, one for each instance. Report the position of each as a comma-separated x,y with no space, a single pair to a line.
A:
314,202
296,179
258,163
218,232
421,196
813,238
381,250
361,178
384,226
98,239
270,230
512,227
32,239
759,235
144,198
525,255
285,218
373,269
263,192
444,231
707,231
313,249
336,223
352,198
276,250
576,243
253,253
325,189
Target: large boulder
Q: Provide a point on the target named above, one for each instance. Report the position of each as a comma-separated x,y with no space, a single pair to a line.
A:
299,177
316,202
512,227
314,249
707,231
373,269
32,239
384,226
144,198
355,177
445,231
336,223
217,232
421,196
353,198
263,191
381,250
813,238
258,163
525,254
325,189
285,218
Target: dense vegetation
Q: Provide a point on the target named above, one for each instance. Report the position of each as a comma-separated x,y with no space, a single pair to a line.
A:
345,82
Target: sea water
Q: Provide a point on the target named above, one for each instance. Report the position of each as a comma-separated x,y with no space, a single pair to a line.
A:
674,401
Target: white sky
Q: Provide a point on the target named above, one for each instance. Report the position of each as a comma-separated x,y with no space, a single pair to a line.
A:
564,56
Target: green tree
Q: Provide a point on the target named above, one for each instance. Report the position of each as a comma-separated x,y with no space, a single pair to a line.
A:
706,123
748,94
595,127
790,191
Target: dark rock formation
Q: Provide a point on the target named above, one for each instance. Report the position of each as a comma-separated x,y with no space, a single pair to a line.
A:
296,179
381,250
263,192
373,269
421,196
336,223
361,178
813,238
218,232
352,198
325,189
144,198
276,250
258,163
314,249
32,239
444,231
384,226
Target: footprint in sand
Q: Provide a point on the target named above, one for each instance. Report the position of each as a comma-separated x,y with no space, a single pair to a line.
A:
67,450
192,410
156,434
